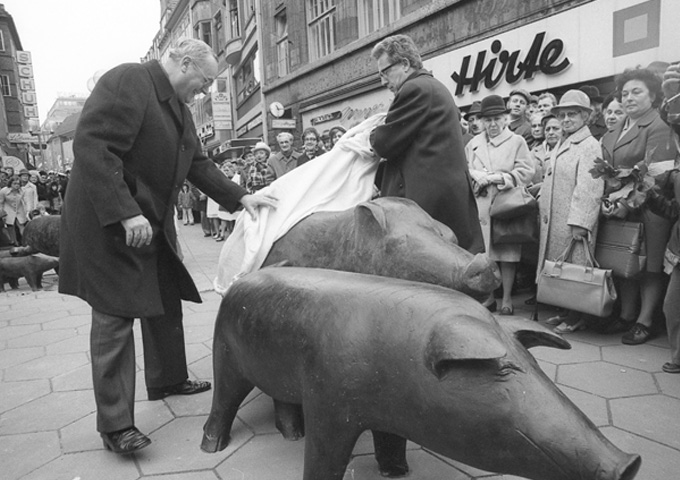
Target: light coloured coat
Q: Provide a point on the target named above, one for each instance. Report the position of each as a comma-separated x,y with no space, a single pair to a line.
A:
13,203
570,196
507,154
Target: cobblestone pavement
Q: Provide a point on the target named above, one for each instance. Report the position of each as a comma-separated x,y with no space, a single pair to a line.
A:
47,420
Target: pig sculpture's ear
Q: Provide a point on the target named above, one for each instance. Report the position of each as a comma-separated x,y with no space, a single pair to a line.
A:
370,216
465,339
532,334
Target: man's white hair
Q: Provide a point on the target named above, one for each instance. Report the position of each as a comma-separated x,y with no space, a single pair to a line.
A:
283,135
193,48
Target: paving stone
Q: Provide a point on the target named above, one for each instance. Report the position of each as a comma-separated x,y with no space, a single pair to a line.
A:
594,407
49,412
38,317
16,356
68,321
19,311
204,475
176,447
659,462
77,379
46,367
259,415
606,379
190,405
265,457
580,352
198,333
77,343
550,369
40,338
12,332
196,352
643,357
203,368
14,394
19,455
423,465
669,383
201,318
655,416
97,465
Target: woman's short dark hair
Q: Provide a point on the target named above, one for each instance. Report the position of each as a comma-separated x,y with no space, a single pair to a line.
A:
608,99
311,130
649,78
398,47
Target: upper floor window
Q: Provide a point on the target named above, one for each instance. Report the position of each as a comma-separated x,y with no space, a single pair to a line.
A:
2,41
375,14
234,23
4,84
204,32
249,9
321,27
247,77
219,32
282,42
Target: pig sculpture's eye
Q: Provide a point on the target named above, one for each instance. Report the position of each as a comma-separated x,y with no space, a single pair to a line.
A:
507,369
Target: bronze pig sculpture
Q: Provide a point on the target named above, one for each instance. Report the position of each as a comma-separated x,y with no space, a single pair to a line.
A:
416,360
389,236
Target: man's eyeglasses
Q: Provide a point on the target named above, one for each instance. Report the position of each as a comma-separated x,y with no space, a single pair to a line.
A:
207,81
383,72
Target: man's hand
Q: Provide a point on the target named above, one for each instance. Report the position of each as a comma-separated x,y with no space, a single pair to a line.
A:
138,231
252,202
671,81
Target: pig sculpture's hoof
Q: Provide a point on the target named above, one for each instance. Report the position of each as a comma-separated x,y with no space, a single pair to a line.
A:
212,444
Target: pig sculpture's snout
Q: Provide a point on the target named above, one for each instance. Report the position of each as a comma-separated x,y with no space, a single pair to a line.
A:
629,468
481,276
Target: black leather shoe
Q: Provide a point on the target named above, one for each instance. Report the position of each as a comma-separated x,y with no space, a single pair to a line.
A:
125,441
636,335
187,387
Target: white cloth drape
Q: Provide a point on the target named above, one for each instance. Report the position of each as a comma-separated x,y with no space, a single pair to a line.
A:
334,181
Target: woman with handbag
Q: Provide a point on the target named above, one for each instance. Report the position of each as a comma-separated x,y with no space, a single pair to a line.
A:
498,160
643,135
570,198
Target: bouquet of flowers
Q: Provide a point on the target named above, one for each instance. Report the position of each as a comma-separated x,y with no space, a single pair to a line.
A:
630,186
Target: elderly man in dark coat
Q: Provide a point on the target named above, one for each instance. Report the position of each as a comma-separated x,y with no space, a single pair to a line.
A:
423,143
135,145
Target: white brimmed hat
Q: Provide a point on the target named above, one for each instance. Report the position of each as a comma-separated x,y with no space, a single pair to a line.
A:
262,146
573,99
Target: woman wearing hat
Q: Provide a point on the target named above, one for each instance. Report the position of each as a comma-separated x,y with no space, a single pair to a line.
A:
498,160
255,173
570,198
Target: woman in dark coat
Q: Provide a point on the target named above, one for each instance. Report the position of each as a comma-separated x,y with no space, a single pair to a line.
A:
642,134
422,143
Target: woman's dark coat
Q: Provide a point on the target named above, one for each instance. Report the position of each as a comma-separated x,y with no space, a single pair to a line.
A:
135,144
423,143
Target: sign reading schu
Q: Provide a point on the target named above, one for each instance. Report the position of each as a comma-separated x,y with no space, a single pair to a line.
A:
27,86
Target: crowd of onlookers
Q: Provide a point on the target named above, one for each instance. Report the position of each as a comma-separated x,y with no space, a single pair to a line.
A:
26,194
555,147
255,169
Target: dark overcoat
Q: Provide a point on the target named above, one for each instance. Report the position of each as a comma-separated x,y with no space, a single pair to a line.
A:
134,146
422,143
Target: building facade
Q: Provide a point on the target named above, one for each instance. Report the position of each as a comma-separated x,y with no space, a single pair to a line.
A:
317,64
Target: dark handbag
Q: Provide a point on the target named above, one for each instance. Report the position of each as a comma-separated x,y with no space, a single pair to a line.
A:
523,229
620,247
513,202
583,288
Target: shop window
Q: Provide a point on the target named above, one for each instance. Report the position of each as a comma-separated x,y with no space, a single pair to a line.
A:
321,27
375,14
2,41
204,32
247,78
234,24
4,84
282,42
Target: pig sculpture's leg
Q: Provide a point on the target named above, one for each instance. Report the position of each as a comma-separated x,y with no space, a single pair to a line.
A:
289,420
230,389
329,442
390,452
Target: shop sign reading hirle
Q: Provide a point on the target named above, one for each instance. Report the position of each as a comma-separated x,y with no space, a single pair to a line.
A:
537,58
